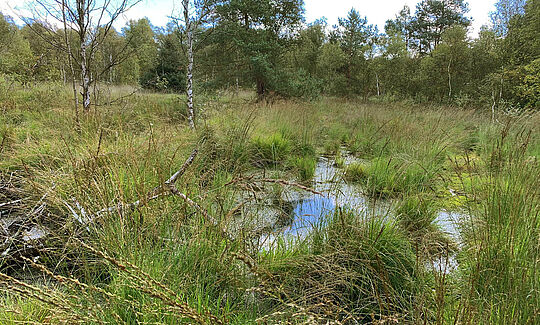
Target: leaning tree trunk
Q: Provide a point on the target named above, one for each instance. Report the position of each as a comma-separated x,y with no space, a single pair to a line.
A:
191,111
189,74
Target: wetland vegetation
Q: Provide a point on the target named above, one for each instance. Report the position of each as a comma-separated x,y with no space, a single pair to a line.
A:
242,166
434,218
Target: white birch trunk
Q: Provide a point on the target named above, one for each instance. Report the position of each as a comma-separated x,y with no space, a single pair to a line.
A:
189,74
85,78
493,106
449,80
70,62
378,88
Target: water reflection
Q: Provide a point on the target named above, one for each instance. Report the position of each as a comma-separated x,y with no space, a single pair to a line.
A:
307,210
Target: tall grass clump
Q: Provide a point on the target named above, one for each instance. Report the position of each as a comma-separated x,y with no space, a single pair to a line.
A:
416,213
354,172
271,150
305,167
394,176
502,244
351,268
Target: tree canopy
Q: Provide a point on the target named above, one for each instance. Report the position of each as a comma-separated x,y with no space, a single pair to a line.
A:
424,54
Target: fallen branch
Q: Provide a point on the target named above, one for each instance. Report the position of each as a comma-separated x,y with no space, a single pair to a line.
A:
283,182
183,169
155,193
252,179
11,202
174,190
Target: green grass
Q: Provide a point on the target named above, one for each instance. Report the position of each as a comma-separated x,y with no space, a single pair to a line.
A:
352,266
501,257
392,176
305,167
368,266
24,311
354,172
271,150
417,213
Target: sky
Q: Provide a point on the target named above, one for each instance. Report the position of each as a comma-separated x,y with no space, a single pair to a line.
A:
377,11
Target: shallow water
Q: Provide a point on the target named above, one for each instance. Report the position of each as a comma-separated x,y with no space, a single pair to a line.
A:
449,221
310,209
306,210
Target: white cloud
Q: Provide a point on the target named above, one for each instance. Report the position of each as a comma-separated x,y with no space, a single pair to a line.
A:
12,8
157,11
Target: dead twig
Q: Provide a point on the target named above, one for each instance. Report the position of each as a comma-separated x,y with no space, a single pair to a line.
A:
252,179
156,192
174,190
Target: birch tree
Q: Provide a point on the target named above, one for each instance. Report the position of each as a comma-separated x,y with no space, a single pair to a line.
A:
195,14
504,11
91,21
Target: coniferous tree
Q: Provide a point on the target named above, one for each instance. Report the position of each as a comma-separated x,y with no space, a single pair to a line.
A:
432,18
261,31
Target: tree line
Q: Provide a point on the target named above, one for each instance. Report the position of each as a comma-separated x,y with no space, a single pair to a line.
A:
423,54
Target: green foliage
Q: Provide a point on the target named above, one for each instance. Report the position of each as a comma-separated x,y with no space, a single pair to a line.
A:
367,267
271,150
417,213
504,233
393,176
141,39
529,90
363,265
505,10
432,19
27,310
257,35
331,64
169,72
305,167
426,56
15,54
355,172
